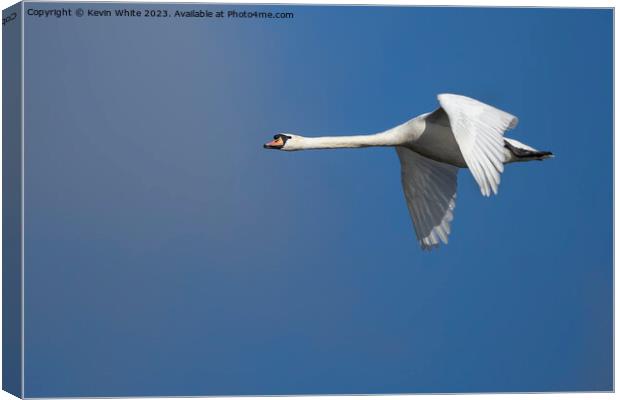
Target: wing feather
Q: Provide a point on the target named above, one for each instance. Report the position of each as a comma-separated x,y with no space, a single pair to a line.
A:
430,191
479,131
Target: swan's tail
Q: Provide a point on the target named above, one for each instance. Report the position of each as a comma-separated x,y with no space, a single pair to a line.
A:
517,151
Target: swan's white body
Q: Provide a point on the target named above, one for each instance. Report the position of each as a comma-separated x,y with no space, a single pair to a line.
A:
462,133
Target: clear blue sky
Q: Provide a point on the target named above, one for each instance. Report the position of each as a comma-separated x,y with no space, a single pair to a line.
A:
168,253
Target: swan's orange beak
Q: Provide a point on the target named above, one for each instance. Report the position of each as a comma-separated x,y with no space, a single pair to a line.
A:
277,143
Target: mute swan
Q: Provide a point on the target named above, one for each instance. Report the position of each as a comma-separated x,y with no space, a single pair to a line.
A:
461,133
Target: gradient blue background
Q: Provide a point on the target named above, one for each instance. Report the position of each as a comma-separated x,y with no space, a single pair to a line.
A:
167,253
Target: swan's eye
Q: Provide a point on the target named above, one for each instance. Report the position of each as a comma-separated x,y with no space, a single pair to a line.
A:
275,136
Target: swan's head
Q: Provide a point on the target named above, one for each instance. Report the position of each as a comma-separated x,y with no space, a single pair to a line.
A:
281,141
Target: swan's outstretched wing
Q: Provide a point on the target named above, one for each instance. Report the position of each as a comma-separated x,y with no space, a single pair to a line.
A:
479,131
430,191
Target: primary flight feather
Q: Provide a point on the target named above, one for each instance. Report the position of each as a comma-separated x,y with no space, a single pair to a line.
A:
461,133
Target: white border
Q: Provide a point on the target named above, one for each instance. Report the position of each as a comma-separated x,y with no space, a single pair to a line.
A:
471,3
381,3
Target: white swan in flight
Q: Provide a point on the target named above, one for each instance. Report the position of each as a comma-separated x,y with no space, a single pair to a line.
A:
461,133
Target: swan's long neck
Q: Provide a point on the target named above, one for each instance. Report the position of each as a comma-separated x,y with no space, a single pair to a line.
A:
344,142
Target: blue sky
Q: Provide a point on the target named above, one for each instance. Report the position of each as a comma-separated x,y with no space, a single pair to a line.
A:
167,253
